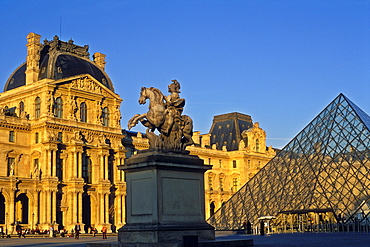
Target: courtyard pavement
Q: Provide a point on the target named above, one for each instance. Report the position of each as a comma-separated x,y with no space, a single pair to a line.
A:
273,240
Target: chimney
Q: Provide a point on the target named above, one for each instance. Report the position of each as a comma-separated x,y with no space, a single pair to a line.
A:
99,59
33,57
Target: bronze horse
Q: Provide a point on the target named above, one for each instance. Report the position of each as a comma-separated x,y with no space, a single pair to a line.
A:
180,134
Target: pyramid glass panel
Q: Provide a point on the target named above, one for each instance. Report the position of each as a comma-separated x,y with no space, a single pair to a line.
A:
324,169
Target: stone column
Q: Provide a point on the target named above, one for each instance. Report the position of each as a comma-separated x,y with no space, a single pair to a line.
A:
77,165
106,167
102,166
54,206
11,211
101,207
42,208
48,207
79,209
54,163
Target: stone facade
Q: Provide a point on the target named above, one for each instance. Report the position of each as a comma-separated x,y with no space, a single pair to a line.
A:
60,142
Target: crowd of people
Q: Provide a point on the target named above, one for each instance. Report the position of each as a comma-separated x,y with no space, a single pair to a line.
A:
75,232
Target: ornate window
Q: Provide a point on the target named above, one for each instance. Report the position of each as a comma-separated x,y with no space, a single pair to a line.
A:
105,116
86,168
234,163
37,137
37,107
21,108
83,112
58,108
257,146
11,136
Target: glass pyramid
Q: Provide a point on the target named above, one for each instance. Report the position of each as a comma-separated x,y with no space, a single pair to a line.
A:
325,167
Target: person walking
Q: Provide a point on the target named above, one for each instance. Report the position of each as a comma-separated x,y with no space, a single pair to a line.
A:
18,229
104,231
77,230
51,231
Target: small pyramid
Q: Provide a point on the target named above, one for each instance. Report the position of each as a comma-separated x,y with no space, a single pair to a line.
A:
325,167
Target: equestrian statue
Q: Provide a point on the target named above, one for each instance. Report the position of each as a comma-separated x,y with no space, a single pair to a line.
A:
165,116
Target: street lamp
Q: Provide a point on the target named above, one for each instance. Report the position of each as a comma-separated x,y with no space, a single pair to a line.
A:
33,216
6,223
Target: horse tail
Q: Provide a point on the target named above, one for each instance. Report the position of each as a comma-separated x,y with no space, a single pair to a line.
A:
187,130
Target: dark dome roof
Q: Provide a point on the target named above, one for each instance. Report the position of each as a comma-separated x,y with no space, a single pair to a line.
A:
17,78
57,64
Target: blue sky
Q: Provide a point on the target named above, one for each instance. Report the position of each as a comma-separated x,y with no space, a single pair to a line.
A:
280,61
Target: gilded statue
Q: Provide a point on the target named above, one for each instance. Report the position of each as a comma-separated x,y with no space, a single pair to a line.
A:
165,116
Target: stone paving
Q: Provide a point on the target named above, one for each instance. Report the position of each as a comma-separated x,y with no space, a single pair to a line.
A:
306,239
273,240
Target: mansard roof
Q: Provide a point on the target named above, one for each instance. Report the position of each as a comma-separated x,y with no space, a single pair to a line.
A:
59,60
227,128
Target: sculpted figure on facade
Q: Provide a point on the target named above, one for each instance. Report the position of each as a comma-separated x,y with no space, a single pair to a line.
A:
72,104
98,112
11,169
117,116
165,116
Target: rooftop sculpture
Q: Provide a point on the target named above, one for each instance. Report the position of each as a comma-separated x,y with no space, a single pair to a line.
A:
165,116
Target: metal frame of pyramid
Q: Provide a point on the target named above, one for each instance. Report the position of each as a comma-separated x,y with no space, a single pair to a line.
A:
325,167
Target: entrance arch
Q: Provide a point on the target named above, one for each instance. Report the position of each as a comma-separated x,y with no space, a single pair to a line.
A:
21,208
86,211
2,209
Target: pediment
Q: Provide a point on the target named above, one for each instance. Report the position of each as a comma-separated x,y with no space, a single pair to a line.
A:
89,84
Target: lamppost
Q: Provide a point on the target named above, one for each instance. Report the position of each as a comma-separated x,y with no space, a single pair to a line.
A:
6,223
33,216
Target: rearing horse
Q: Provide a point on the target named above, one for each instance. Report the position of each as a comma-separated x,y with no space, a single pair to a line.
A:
154,118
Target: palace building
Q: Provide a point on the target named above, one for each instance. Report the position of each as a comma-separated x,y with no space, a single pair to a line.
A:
60,140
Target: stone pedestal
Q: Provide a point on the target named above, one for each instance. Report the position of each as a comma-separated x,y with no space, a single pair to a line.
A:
165,199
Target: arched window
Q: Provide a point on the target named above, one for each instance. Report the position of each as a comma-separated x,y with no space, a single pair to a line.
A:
86,168
212,208
37,107
105,116
83,112
37,137
58,107
21,108
257,145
